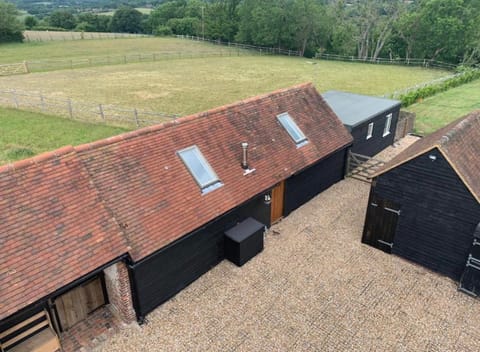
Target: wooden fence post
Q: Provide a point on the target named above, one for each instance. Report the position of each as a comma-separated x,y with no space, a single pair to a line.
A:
135,115
15,99
102,114
25,65
42,102
70,108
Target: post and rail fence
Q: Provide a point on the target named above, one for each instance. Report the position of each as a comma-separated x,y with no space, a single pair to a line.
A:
81,111
261,49
387,61
50,36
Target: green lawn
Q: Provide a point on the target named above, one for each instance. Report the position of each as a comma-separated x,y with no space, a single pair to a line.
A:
24,134
192,85
76,49
439,110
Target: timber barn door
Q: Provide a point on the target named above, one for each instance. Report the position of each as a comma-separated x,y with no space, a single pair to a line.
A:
381,223
278,196
74,305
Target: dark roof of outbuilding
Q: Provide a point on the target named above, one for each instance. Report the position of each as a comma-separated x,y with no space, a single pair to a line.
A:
459,143
54,228
353,109
155,198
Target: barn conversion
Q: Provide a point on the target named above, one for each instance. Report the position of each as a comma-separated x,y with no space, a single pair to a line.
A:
371,120
424,204
133,219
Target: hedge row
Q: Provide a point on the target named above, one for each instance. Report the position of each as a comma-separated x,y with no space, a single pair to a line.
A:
466,75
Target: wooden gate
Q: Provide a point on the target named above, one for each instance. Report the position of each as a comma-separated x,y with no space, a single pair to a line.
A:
381,224
278,195
77,303
362,167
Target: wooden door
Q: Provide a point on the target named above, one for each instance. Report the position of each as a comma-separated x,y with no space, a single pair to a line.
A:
381,224
77,303
277,202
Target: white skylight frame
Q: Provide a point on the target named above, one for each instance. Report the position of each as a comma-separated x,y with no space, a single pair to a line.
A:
292,129
199,168
370,130
388,124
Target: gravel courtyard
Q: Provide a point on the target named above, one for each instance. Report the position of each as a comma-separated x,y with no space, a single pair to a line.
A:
315,287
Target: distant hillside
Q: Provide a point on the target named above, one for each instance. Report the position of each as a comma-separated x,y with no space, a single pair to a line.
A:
43,8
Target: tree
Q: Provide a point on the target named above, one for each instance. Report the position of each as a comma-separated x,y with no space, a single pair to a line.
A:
30,22
90,22
221,19
375,20
126,19
62,19
10,26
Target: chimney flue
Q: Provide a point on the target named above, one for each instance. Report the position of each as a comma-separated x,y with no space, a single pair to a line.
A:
245,156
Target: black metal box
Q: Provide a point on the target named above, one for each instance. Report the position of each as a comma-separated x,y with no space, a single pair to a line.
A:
244,241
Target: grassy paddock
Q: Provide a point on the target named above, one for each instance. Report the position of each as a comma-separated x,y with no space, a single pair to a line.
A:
191,85
439,110
76,49
24,134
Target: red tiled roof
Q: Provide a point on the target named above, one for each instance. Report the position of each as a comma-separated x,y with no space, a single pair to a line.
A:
54,228
68,212
154,197
459,142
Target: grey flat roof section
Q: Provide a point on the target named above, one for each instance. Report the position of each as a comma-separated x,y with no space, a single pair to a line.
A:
353,109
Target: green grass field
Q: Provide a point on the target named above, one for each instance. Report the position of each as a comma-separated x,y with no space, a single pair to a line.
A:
47,50
439,110
177,86
185,86
24,134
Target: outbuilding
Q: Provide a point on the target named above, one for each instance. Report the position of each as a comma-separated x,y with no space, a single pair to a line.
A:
372,121
131,220
175,189
424,205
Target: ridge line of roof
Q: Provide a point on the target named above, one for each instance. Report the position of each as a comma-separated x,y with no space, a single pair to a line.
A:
37,159
458,127
185,119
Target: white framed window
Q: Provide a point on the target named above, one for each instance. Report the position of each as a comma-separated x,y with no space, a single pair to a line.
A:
370,130
200,169
292,128
388,122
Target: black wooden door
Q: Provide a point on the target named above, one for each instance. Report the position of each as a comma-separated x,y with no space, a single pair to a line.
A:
381,223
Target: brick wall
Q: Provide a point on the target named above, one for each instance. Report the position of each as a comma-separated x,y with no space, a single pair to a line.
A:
119,292
406,122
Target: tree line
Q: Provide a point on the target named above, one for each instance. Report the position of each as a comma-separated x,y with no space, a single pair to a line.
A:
443,30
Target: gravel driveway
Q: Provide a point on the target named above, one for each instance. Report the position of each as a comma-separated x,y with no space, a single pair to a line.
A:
315,287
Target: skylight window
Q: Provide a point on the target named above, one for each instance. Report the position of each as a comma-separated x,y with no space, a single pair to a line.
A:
200,169
388,122
291,127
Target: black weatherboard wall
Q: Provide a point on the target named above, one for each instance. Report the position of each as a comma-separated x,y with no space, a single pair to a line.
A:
166,272
358,111
438,214
302,187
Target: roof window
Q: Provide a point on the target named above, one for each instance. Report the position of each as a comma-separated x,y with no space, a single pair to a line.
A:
200,169
293,130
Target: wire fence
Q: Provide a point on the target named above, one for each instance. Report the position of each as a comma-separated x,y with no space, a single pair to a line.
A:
61,64
260,49
49,36
87,112
403,62
398,93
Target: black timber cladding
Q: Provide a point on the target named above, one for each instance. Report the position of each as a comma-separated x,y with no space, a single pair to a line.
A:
166,272
438,213
357,111
302,187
